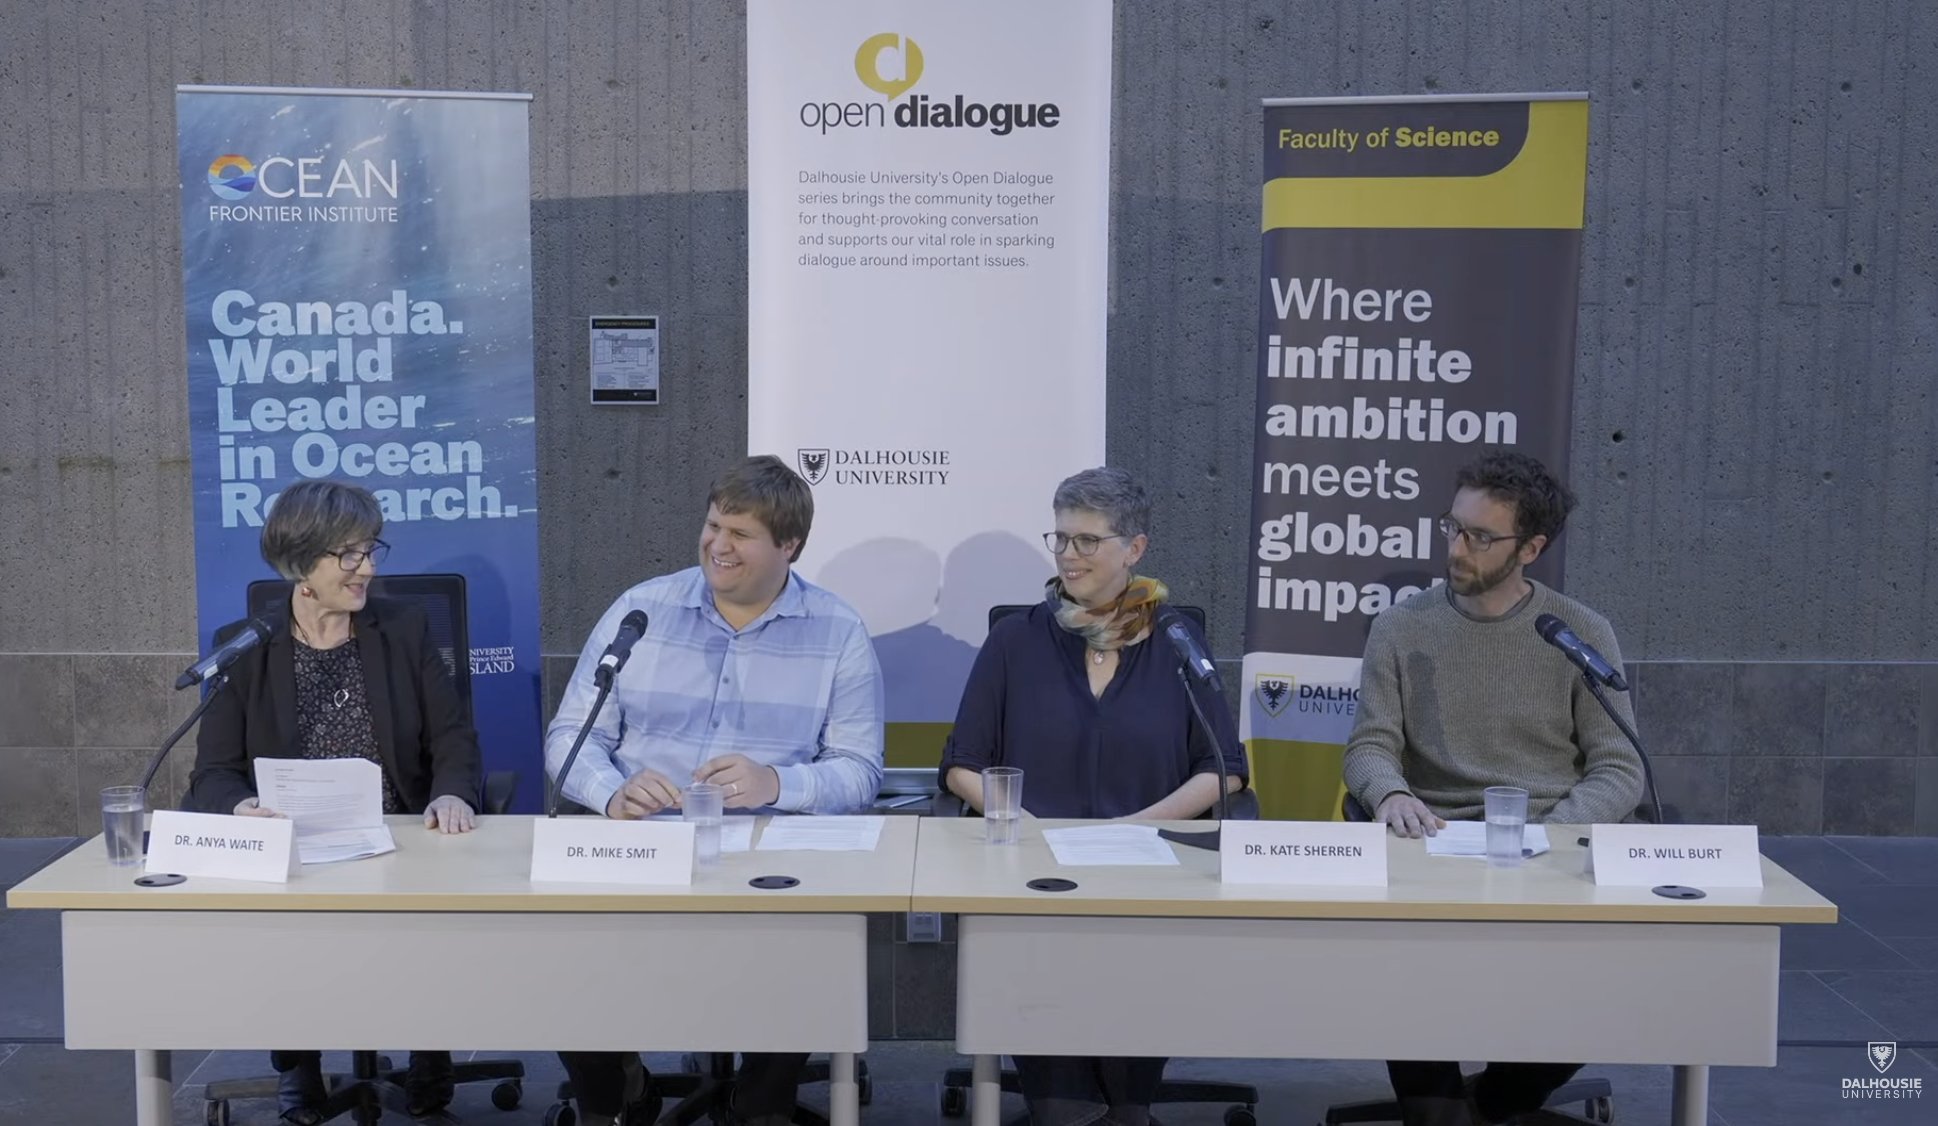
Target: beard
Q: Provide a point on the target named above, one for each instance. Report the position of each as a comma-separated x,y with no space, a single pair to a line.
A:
1477,582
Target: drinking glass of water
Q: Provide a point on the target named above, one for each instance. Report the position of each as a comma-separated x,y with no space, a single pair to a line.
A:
703,806
1507,818
1002,805
121,823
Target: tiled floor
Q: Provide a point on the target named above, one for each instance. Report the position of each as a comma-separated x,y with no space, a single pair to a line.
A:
1874,976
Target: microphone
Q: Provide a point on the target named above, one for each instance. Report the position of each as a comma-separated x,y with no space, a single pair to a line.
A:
254,632
631,628
1185,643
1555,632
1595,672
1196,664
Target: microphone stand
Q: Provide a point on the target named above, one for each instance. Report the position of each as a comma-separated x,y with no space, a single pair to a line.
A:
604,679
1203,838
1648,772
216,683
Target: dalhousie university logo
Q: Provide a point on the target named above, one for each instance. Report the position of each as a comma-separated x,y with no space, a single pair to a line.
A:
1274,692
1882,1054
814,464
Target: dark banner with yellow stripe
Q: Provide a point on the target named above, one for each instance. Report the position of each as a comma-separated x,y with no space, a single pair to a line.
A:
1416,306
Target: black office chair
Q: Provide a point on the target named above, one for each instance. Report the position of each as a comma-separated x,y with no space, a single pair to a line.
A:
373,1083
1596,1096
1242,806
704,1088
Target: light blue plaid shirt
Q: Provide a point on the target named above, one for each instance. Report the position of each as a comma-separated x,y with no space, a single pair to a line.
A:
798,690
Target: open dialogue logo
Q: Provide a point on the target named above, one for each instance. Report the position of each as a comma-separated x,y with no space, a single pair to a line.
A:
891,65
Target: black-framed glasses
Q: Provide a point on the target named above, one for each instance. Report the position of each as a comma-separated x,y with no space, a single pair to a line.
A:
1085,544
350,558
1476,540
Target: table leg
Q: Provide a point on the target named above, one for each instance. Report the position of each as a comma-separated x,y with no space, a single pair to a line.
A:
986,1091
1689,1104
844,1094
154,1089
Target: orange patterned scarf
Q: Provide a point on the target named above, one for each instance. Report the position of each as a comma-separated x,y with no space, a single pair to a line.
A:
1124,621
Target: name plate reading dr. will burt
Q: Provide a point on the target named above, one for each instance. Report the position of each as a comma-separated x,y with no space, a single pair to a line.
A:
593,850
1310,853
1700,856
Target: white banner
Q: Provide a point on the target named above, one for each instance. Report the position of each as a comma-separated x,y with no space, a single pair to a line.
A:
928,212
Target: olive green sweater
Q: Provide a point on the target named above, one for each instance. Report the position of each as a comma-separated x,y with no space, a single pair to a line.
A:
1450,705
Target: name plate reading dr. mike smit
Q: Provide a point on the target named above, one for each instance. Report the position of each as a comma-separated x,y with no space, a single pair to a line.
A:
1309,853
593,850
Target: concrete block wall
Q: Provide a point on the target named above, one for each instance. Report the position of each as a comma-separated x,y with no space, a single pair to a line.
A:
1755,438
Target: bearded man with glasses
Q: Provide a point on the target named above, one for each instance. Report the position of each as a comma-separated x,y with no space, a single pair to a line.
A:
1458,693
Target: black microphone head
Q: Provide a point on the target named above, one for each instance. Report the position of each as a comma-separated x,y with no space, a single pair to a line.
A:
261,626
1547,625
634,621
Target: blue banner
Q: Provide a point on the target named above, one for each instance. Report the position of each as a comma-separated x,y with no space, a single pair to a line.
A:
357,274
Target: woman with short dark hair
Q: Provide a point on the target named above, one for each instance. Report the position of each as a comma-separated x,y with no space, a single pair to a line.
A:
341,676
1079,694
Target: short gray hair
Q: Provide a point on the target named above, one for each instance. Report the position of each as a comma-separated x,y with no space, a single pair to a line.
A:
1113,493
311,519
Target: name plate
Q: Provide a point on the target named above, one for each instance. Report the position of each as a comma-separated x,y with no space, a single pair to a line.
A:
221,845
1311,853
1698,856
595,850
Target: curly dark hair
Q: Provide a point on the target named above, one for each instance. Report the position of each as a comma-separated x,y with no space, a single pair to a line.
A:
1541,503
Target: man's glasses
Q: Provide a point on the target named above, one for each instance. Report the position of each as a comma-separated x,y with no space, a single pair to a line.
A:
351,558
1476,540
1085,545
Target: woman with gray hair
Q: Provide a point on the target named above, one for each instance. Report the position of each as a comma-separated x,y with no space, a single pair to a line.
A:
341,676
1077,694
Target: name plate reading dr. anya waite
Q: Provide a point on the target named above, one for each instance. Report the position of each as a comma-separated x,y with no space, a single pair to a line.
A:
1699,856
1311,853
594,850
222,845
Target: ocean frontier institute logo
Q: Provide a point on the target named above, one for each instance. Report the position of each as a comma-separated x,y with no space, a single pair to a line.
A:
232,176
1274,692
814,464
1881,1054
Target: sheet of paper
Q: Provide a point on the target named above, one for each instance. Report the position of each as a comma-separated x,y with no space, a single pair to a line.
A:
1100,845
1469,839
736,832
820,834
332,845
325,794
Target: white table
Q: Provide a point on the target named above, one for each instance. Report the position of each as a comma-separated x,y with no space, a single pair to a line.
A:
1528,964
447,943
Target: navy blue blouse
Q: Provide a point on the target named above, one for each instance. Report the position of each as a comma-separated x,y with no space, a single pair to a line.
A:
1028,704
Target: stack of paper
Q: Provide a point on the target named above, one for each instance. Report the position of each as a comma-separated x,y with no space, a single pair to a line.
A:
336,803
1469,839
1099,845
821,834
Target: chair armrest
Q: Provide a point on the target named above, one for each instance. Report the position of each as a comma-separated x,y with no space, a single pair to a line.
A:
946,804
1241,806
499,786
1352,810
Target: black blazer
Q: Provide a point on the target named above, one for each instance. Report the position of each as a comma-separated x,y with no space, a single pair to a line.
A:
428,747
